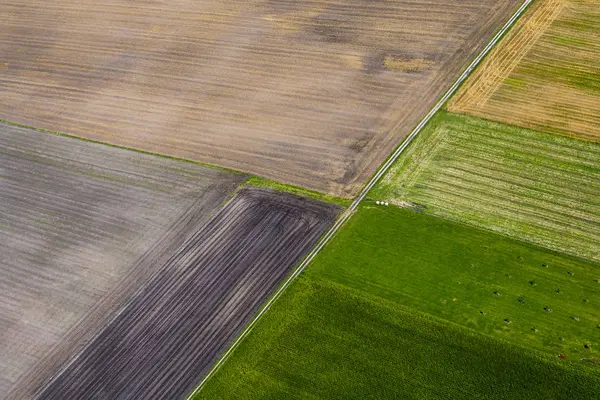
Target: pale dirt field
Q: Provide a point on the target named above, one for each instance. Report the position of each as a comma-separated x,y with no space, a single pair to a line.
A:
82,226
315,94
545,74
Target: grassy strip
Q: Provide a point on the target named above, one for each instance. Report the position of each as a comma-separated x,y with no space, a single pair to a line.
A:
3,121
526,184
282,187
323,340
251,181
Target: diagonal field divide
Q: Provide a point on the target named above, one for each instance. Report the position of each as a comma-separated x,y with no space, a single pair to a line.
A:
382,170
183,319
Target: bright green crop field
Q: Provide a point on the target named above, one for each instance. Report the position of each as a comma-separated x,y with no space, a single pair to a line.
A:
405,305
471,277
530,185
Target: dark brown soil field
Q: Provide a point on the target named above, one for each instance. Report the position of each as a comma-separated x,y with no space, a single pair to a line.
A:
313,93
163,342
82,226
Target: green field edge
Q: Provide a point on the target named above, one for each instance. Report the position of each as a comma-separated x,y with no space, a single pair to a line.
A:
261,182
251,180
428,130
580,368
580,365
580,137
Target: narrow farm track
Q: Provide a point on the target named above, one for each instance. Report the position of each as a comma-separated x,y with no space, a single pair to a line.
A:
314,93
81,225
381,172
186,316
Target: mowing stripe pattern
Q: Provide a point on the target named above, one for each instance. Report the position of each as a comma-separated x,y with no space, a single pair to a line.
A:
183,320
537,187
545,75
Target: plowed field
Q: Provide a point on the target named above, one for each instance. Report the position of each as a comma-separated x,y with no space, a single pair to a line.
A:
81,227
545,74
171,333
313,93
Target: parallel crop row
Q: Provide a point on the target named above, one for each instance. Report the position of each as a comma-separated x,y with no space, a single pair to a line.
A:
162,343
525,184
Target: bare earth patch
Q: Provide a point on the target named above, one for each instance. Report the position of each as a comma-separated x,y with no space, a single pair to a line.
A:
294,91
82,226
168,337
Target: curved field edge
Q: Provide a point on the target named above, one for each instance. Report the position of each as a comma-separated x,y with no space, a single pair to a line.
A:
522,183
323,340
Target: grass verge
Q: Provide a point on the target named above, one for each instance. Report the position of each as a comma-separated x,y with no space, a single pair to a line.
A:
282,187
391,309
251,181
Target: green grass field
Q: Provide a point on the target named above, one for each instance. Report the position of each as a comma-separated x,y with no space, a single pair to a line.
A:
455,272
354,324
534,186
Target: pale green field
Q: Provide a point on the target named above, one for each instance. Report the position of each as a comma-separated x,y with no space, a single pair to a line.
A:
533,186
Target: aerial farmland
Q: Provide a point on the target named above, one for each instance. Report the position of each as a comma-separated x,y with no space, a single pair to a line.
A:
202,297
280,199
481,224
82,225
86,227
314,94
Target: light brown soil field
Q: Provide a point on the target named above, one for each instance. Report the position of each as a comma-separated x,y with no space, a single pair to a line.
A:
545,74
82,226
316,94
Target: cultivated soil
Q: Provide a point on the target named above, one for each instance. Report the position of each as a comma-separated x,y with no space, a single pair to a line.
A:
315,94
82,226
168,337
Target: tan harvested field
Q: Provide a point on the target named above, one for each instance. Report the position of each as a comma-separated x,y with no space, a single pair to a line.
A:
313,93
545,74
82,226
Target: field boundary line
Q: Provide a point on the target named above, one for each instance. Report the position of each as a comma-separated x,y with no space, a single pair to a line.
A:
134,295
350,210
